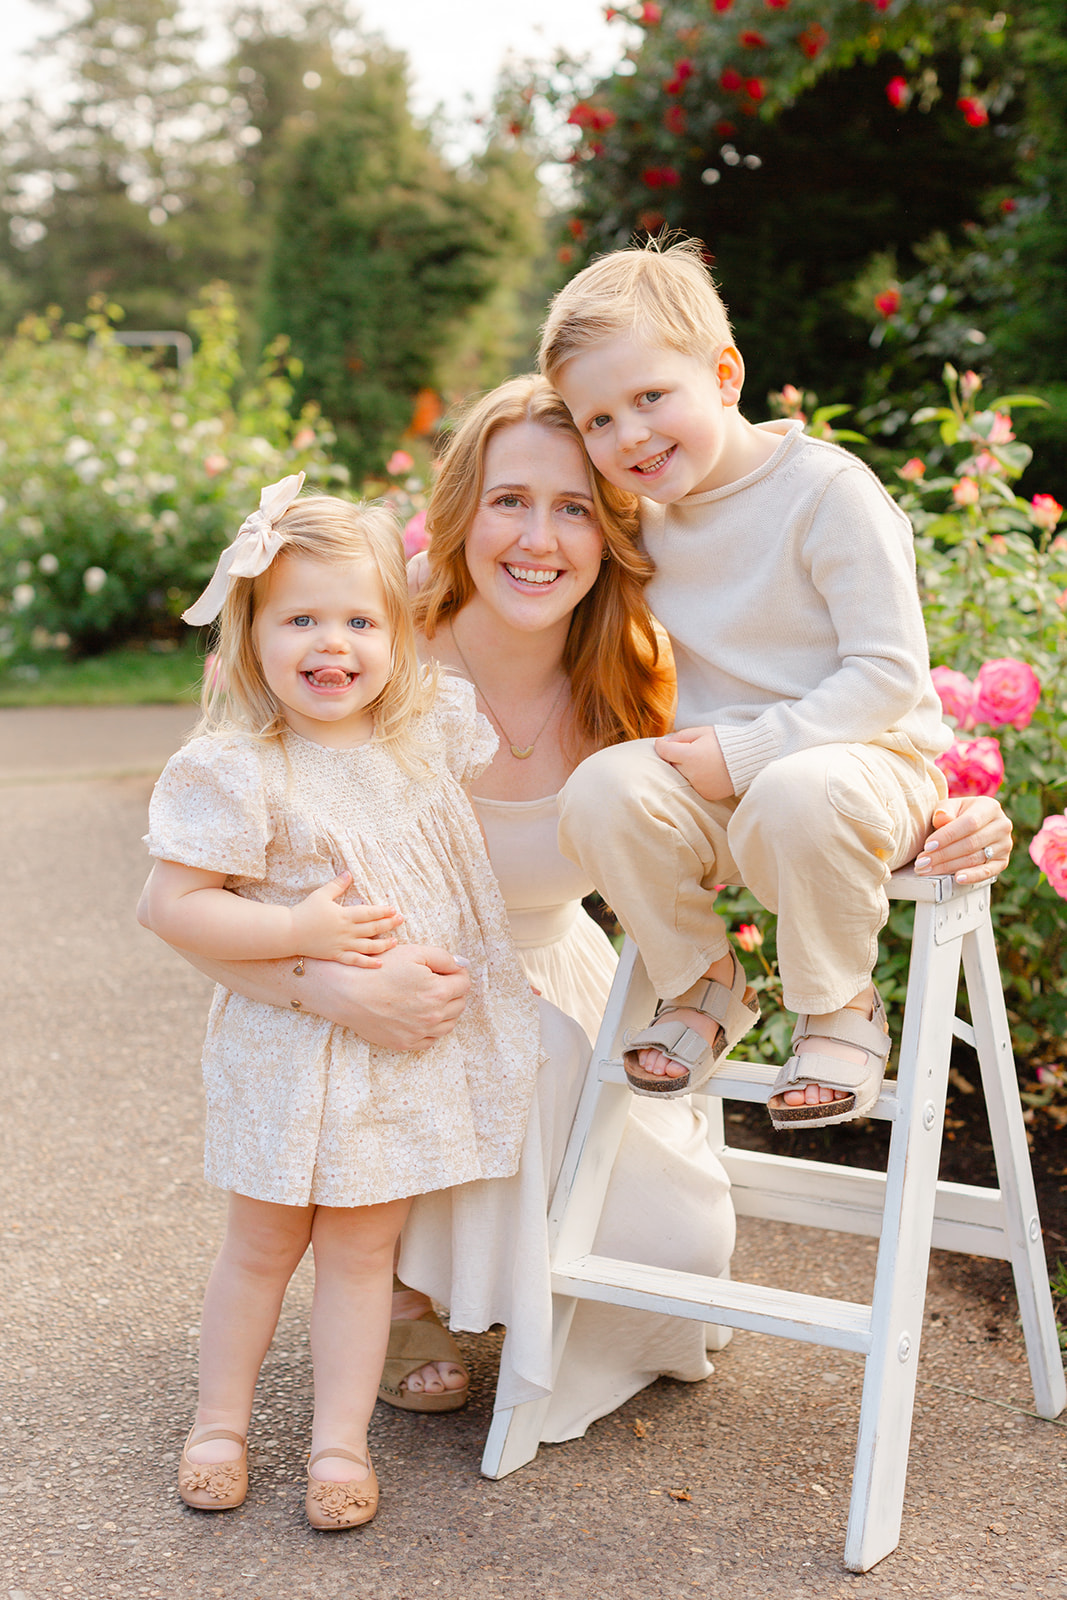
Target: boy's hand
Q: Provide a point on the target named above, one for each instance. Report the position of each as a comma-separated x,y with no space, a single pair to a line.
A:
698,756
354,935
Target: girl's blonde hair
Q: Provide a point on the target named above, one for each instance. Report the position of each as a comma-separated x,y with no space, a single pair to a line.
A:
621,677
236,696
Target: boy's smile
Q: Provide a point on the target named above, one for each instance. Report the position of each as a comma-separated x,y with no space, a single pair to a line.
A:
658,422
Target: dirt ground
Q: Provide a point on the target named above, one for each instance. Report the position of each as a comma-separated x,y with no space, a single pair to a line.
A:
737,1487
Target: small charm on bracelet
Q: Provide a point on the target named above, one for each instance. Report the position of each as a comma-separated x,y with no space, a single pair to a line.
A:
296,1005
298,970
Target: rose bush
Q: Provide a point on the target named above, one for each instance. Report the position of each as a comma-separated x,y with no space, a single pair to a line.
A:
120,482
993,579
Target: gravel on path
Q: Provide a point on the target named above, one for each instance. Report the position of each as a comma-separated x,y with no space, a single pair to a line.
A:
737,1487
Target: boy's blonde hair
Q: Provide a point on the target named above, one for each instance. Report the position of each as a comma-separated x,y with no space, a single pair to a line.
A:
319,528
659,292
621,677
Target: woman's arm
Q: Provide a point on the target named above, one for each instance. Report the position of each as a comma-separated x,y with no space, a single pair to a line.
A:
413,998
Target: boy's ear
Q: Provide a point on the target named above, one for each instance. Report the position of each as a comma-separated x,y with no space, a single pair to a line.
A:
730,371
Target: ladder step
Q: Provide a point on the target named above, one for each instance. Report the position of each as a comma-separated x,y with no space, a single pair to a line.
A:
750,1080
840,1324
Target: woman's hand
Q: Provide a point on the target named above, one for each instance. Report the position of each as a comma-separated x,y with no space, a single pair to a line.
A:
965,828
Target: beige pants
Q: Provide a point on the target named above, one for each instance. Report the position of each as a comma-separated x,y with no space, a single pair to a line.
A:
815,838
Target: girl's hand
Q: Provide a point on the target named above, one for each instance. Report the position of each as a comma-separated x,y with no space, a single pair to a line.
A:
698,756
964,828
353,935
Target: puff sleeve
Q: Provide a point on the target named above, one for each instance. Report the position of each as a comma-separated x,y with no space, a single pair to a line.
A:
209,808
469,740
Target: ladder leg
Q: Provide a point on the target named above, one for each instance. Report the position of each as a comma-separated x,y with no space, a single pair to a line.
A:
577,1201
1015,1176
904,1249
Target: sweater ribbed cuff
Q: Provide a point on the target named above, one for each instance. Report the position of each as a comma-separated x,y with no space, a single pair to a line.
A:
746,751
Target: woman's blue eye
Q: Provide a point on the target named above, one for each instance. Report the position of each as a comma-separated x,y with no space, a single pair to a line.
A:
575,508
509,500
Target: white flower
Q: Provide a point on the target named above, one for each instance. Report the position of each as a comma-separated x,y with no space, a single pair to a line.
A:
126,458
260,447
49,562
23,595
89,469
94,579
105,418
178,419
23,569
77,449
169,520
31,527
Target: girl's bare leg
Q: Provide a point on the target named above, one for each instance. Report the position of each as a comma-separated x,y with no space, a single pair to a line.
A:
350,1325
260,1252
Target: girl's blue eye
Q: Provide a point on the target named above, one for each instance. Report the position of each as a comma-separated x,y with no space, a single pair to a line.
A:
301,622
358,622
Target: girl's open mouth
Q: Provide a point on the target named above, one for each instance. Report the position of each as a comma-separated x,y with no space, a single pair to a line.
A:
329,678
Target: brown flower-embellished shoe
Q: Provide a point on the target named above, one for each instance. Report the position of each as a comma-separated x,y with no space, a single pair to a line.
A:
341,1505
213,1485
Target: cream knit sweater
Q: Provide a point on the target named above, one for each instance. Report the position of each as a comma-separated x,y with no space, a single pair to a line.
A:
791,603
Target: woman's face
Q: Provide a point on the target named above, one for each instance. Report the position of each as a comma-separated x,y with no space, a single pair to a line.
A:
534,547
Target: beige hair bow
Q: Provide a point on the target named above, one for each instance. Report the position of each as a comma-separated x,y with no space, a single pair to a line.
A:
257,543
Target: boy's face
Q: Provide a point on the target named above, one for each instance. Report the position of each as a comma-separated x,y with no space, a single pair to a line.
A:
656,422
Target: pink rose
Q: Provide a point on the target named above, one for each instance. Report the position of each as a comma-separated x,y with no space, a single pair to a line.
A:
913,470
1006,691
749,937
1045,512
970,384
966,492
398,462
898,92
1001,431
415,536
973,766
956,693
1048,850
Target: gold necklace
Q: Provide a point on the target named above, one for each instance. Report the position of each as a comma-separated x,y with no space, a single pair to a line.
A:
527,751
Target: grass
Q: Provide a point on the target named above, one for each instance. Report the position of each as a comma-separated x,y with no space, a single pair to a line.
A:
136,675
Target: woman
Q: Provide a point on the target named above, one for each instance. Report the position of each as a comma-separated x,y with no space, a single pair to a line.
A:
533,593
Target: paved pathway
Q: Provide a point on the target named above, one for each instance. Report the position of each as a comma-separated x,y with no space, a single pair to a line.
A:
108,1230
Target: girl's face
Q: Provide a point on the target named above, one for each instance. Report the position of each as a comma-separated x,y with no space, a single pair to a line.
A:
534,547
324,642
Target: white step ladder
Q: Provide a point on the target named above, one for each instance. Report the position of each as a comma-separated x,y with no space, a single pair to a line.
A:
905,1207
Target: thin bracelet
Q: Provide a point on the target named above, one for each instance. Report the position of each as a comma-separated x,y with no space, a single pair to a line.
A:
298,972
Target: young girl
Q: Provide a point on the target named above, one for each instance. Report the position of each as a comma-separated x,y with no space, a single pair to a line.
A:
328,766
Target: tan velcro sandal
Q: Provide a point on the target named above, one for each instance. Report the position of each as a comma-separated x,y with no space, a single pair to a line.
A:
735,1010
861,1082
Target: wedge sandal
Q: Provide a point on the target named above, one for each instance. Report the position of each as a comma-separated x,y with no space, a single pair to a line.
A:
414,1343
735,1009
861,1083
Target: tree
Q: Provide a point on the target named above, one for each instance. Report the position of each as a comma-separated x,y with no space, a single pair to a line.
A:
797,138
379,252
134,188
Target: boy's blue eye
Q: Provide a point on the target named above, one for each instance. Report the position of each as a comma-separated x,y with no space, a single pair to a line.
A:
601,421
653,394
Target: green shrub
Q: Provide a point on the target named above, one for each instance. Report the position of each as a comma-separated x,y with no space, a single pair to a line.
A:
120,482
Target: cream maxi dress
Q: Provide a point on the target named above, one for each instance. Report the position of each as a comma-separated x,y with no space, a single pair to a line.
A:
482,1249
299,1110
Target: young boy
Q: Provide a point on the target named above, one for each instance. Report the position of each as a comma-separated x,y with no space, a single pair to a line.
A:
808,724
